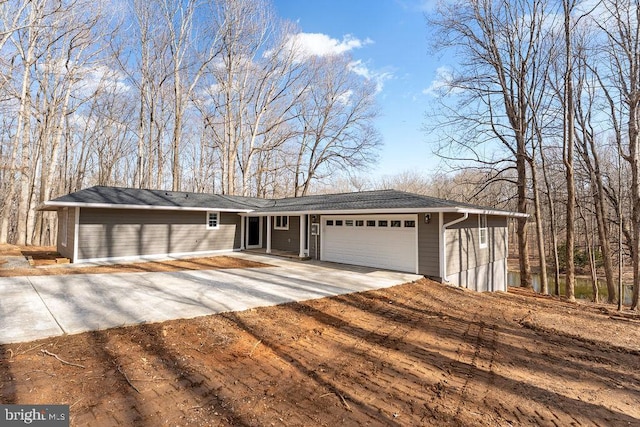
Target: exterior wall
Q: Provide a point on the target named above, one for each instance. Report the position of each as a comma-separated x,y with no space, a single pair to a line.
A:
285,240
428,246
470,266
66,250
121,233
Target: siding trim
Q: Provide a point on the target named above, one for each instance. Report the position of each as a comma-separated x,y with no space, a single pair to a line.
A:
76,232
441,246
154,256
65,227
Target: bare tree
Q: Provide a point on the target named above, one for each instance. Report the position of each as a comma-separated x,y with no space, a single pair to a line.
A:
243,27
336,122
622,30
191,52
25,43
499,43
568,141
587,147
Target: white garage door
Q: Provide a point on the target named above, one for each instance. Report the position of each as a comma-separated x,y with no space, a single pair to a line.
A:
382,241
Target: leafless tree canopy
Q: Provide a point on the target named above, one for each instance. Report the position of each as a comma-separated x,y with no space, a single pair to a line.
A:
193,95
543,96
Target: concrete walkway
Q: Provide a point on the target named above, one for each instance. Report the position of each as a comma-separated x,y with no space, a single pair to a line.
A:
44,306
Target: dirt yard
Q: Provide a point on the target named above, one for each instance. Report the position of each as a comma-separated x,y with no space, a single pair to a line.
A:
415,354
44,263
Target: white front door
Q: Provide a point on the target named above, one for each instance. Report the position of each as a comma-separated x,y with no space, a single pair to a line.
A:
382,241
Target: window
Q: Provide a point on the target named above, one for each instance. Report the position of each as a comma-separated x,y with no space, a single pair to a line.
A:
410,224
213,220
396,224
371,223
359,223
482,230
329,222
383,223
349,223
65,225
338,223
281,222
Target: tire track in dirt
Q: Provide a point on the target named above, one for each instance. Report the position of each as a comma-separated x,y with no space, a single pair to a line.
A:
373,380
473,336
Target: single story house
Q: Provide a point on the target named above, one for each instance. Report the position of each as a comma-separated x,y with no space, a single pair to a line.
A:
453,242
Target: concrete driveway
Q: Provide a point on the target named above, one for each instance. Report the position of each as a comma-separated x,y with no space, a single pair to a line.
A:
44,306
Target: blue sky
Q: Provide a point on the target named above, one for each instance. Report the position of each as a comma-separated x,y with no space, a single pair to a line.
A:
390,39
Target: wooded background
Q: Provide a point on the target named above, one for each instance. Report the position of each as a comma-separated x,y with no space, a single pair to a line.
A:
191,95
539,113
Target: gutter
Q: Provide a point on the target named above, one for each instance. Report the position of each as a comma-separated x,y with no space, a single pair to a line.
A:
381,211
443,252
51,205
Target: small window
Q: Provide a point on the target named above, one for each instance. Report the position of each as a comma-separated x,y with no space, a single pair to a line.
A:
213,219
396,224
482,230
410,224
281,222
383,223
330,222
349,223
359,223
371,223
338,223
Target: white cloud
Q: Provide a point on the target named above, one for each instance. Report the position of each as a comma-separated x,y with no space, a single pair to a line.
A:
104,78
379,77
308,45
442,83
317,44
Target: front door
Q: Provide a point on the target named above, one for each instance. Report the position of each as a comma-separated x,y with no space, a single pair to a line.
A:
253,232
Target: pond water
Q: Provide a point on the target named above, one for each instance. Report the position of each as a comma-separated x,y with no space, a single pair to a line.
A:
583,288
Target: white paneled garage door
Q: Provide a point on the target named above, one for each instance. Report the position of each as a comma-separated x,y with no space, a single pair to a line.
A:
382,241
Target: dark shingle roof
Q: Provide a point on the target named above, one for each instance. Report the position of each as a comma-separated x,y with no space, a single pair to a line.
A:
365,200
379,200
158,198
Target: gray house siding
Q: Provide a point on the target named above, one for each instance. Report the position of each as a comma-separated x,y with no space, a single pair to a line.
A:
428,246
286,240
469,265
68,215
118,233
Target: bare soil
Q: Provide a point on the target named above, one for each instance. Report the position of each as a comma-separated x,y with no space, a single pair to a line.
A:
416,354
45,263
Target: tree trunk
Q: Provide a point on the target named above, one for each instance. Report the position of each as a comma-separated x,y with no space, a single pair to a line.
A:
544,283
521,230
568,142
635,200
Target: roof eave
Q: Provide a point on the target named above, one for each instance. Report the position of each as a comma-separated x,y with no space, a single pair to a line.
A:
52,205
386,211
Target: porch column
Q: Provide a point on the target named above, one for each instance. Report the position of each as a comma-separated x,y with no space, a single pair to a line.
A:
268,234
303,233
242,227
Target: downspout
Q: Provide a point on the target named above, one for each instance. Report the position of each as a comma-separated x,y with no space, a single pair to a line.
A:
443,251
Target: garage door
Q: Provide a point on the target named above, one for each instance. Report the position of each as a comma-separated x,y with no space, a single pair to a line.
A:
382,241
